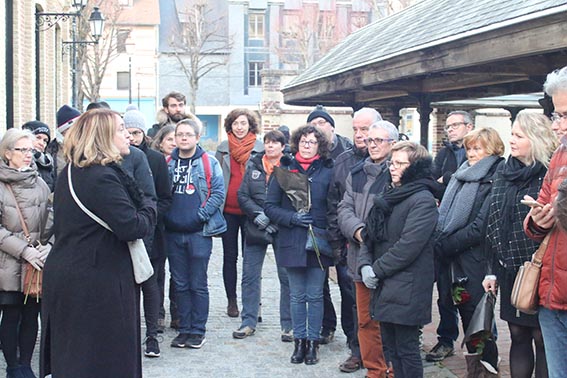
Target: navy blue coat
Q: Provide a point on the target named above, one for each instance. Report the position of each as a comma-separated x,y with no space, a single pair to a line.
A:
290,240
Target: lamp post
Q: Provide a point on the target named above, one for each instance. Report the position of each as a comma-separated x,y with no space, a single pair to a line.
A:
46,20
129,47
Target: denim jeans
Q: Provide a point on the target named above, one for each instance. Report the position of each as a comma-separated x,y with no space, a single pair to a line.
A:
285,305
553,325
189,255
253,261
306,293
230,252
403,345
448,329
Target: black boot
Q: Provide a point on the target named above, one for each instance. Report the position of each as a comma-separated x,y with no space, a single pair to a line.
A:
298,352
311,352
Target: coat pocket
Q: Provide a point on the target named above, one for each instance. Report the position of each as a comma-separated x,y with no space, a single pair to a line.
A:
397,289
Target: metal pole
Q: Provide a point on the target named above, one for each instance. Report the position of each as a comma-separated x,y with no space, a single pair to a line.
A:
138,94
130,80
74,63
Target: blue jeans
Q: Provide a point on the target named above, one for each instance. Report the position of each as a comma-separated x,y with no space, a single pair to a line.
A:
285,305
253,261
553,325
189,256
306,293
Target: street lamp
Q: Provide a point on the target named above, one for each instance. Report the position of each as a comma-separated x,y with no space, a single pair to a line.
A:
46,20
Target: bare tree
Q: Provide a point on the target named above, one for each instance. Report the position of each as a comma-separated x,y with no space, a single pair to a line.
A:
385,8
200,44
93,59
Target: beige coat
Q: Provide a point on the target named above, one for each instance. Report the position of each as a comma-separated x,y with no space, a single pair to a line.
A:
32,194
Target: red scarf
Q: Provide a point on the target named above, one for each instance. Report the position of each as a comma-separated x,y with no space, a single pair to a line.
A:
269,167
305,163
240,149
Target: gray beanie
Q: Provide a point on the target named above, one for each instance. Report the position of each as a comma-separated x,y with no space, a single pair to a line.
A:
133,118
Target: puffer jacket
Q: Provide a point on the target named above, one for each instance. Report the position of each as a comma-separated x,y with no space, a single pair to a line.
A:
32,194
553,279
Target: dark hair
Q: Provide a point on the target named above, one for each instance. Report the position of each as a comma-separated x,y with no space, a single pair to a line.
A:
233,115
322,142
176,95
98,105
275,136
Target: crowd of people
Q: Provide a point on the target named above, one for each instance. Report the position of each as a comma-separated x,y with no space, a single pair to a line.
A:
390,218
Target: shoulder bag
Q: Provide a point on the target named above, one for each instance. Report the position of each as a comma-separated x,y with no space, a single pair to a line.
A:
525,290
32,278
141,264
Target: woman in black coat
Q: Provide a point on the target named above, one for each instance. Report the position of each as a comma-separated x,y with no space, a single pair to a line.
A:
90,318
399,233
305,271
461,230
531,145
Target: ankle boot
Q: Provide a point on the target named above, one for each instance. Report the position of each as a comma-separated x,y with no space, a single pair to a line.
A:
298,352
311,352
232,308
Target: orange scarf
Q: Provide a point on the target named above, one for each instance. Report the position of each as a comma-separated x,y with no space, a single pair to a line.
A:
240,149
269,167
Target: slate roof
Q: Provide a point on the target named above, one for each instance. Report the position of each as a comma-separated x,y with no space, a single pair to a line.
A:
427,23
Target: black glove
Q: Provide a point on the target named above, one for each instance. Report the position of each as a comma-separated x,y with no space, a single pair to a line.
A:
302,219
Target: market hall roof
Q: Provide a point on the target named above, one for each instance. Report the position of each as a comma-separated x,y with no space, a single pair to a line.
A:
442,50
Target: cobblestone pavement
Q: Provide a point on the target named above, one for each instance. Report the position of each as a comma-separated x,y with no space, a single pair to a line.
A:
263,354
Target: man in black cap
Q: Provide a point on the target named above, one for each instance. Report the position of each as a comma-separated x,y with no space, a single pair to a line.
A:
66,116
43,160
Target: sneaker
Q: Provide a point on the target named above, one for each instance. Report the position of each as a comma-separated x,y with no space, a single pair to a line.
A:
161,326
351,365
287,336
439,352
243,332
181,341
196,341
327,335
152,347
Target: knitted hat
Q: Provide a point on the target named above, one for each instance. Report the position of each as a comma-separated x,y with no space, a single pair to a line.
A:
66,115
320,112
38,127
133,118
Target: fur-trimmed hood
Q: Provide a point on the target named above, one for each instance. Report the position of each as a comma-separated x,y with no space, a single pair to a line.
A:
420,169
287,161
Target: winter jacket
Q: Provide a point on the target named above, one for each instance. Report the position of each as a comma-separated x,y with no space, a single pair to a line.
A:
211,203
45,168
553,279
290,239
340,145
404,261
223,156
32,195
365,181
445,163
162,119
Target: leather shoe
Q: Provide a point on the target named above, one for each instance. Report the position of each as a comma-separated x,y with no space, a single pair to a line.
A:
351,365
311,352
298,352
232,308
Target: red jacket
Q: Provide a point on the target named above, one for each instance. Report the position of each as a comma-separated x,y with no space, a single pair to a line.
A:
553,280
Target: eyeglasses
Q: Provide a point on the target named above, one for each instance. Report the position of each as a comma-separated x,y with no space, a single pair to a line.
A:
24,150
397,164
454,125
557,117
184,135
306,143
376,141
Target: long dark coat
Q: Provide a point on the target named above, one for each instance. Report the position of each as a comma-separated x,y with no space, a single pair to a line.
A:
90,321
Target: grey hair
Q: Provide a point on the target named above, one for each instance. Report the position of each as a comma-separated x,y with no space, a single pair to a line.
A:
556,81
389,127
373,113
11,137
467,118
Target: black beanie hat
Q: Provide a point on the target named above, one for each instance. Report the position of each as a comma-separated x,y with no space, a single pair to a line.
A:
66,115
38,127
320,112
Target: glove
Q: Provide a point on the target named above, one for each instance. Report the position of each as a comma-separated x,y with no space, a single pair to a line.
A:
261,220
301,219
369,277
33,256
271,229
44,251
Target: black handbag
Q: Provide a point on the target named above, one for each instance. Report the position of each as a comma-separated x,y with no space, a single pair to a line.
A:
254,236
321,240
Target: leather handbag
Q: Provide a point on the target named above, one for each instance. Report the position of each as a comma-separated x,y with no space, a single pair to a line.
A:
317,241
525,290
33,278
255,236
141,264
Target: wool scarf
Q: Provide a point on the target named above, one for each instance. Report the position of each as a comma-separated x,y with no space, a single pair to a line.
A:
305,163
460,196
268,166
240,149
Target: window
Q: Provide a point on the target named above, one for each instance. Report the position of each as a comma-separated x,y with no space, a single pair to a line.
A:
121,38
254,78
122,80
255,26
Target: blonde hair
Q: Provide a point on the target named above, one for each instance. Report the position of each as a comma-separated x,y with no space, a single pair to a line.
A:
90,141
415,151
11,137
488,138
537,128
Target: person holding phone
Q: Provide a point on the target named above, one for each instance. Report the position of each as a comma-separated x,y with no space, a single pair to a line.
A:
531,145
